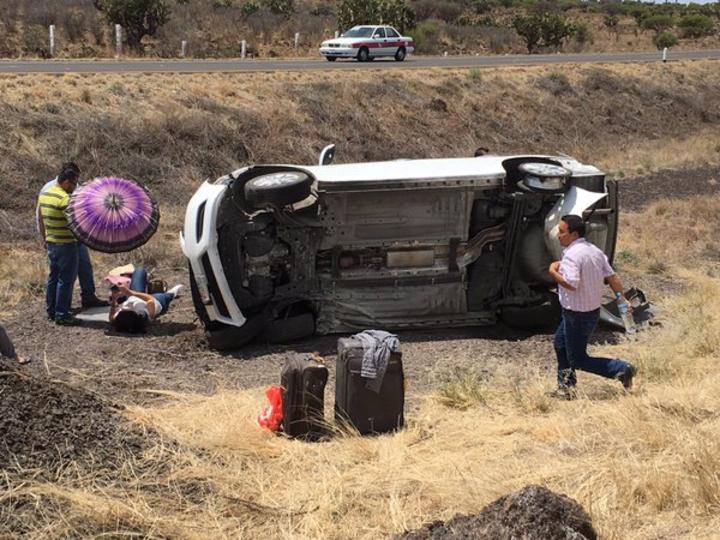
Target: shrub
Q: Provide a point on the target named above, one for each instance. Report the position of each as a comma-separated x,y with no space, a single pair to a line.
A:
248,8
694,26
582,34
425,36
75,24
396,13
279,7
659,23
665,39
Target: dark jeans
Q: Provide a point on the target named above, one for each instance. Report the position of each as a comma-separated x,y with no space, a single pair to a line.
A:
138,282
63,260
85,273
6,345
571,339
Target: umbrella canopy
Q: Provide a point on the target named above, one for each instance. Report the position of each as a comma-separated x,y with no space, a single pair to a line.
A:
113,214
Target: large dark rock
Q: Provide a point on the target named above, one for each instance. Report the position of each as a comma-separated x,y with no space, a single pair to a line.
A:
533,513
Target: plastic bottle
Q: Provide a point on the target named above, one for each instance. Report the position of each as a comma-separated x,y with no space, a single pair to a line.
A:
625,314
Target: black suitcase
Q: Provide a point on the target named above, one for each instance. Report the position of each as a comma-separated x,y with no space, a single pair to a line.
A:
303,380
366,410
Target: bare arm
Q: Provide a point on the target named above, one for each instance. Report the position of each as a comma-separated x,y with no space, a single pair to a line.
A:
148,298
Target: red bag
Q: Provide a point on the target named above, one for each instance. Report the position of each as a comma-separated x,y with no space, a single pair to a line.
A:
271,417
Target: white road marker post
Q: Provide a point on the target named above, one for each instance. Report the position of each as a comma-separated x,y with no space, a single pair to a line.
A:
118,41
52,40
183,48
297,40
664,54
243,48
337,33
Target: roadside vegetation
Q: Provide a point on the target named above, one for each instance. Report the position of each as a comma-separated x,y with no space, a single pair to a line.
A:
215,28
644,465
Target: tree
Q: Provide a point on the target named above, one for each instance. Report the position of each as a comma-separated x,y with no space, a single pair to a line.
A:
396,13
138,18
611,23
659,23
280,7
694,26
665,39
548,29
529,28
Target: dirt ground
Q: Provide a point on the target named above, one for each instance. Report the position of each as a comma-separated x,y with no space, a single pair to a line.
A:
173,355
65,406
532,513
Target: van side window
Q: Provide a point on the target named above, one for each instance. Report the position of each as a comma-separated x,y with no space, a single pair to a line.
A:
380,32
391,33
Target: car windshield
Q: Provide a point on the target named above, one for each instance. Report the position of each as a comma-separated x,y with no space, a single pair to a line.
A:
359,31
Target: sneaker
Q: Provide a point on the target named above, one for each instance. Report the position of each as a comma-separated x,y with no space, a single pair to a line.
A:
94,302
626,377
68,320
175,291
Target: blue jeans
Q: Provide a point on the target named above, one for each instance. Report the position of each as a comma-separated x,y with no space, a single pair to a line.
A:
85,273
571,339
63,260
138,282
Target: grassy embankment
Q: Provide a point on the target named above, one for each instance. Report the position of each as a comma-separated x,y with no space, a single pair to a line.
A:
644,465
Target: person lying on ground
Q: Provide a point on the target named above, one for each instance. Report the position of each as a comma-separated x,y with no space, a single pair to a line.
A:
7,348
132,308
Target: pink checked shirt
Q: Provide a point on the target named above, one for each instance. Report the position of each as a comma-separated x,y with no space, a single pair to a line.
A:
585,267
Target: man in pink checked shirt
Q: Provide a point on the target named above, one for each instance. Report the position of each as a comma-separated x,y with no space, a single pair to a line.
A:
581,275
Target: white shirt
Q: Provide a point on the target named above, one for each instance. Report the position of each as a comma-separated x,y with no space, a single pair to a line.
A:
140,306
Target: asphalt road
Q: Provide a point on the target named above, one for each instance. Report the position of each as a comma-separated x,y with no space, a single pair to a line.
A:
415,62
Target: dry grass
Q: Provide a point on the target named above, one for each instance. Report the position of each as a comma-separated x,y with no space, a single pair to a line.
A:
644,464
184,129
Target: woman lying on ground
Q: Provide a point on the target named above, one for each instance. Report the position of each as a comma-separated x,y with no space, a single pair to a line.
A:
132,308
8,349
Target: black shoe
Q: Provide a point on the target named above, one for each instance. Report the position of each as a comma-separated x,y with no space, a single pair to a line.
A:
567,393
94,302
68,320
626,377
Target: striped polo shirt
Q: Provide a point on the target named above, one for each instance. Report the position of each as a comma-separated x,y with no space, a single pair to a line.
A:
53,203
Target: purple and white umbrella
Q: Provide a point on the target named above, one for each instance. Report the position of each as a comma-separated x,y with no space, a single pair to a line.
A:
113,214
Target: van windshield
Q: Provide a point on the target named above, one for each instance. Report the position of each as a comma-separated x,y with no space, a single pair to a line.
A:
359,31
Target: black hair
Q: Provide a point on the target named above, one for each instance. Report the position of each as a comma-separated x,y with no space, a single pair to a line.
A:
575,224
67,174
71,165
129,322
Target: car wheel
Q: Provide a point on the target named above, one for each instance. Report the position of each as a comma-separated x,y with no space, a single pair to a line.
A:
331,58
280,188
400,54
363,54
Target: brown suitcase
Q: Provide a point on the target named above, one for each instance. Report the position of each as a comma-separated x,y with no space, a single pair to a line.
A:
303,380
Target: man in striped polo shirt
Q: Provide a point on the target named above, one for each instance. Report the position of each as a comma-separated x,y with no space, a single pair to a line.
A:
581,275
62,247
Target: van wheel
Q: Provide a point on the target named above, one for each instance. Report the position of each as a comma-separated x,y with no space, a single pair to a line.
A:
331,58
363,54
400,54
280,188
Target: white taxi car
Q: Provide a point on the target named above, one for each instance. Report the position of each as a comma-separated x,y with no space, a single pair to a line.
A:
366,43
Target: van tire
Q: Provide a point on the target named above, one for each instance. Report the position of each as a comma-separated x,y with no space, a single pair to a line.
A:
363,54
400,54
280,188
